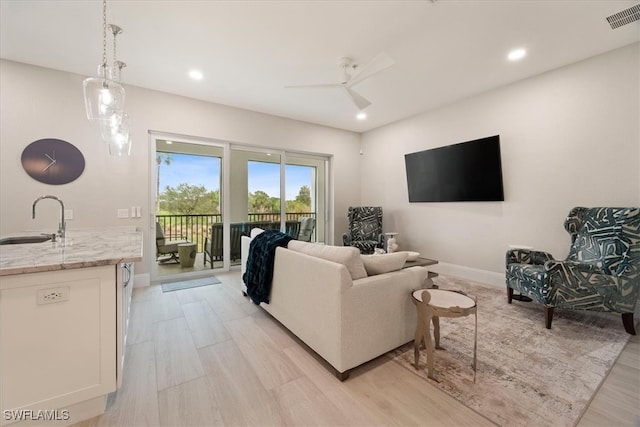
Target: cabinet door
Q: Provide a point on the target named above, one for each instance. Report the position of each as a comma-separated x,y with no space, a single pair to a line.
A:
124,286
57,336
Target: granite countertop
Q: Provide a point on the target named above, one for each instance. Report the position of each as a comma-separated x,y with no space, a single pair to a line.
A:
80,249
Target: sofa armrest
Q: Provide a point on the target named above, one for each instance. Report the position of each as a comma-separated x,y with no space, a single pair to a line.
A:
527,256
378,314
245,243
306,297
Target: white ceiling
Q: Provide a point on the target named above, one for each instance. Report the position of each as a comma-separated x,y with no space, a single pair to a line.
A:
249,50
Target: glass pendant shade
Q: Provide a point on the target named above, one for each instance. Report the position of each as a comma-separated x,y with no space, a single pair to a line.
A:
103,99
110,126
120,138
121,146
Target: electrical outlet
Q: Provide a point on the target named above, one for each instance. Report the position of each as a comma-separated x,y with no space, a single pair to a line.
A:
138,212
123,213
53,295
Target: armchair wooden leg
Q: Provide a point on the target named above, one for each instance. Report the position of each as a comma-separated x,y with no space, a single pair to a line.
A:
627,321
548,316
509,294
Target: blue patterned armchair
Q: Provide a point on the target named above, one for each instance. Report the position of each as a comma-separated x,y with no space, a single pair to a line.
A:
365,229
601,272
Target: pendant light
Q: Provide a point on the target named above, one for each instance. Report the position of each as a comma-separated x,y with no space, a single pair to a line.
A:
103,97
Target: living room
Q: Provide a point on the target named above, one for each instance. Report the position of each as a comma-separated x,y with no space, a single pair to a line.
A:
569,137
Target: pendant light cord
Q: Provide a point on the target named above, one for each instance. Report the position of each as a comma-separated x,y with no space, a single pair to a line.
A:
104,39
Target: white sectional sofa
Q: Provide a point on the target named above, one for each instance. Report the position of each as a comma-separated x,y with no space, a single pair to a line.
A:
324,296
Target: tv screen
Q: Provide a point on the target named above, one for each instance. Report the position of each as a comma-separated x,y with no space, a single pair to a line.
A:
466,172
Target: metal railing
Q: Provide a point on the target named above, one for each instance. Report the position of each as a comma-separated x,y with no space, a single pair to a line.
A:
195,227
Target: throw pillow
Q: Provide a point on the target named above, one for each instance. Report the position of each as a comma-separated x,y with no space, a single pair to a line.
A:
345,255
385,263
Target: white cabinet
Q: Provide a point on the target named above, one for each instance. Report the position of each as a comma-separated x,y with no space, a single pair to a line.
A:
57,335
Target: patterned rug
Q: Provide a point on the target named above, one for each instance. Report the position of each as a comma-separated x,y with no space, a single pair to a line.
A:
527,375
186,284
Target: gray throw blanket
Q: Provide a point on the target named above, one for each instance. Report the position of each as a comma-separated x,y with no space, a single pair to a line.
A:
259,272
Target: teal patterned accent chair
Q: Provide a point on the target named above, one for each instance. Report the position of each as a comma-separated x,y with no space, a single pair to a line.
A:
365,229
601,272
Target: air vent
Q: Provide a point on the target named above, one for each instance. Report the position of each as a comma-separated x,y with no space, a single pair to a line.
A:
624,17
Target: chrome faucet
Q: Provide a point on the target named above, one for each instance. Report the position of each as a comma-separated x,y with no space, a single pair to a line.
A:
63,225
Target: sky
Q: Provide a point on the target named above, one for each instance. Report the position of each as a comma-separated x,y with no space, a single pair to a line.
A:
205,170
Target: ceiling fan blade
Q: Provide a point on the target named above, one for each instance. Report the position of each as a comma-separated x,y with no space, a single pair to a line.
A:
380,62
313,86
360,101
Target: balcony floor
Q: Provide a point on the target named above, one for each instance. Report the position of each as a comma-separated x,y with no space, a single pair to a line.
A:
160,269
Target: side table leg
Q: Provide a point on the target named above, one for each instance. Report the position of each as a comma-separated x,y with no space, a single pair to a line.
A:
429,344
416,345
436,331
419,334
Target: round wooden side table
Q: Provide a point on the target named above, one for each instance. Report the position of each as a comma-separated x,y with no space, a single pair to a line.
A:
431,305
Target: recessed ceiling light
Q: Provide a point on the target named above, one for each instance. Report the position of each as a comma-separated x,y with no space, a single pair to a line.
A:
195,74
517,54
361,116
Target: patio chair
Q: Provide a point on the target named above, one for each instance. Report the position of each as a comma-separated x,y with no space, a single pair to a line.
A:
293,228
166,247
213,242
307,224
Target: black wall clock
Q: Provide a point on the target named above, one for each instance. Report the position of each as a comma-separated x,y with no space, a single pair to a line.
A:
52,161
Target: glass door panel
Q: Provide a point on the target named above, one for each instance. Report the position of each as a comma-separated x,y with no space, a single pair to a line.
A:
305,196
255,188
188,206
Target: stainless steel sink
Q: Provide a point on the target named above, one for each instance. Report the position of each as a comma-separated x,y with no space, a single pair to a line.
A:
18,240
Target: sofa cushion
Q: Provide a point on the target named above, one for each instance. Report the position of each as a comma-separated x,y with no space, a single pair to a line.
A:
384,263
345,255
255,231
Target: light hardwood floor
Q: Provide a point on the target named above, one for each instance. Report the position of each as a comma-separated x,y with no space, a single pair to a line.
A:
206,356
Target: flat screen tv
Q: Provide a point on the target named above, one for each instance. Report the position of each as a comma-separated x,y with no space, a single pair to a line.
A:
466,172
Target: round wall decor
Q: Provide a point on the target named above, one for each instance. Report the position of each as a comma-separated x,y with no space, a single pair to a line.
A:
52,161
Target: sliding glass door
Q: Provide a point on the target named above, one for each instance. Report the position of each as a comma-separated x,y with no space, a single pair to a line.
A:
210,193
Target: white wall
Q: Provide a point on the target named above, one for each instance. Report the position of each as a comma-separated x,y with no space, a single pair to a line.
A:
569,137
40,103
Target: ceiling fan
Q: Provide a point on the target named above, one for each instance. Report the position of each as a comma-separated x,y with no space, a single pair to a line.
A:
379,63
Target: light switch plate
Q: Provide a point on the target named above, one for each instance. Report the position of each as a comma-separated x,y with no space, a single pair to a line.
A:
123,213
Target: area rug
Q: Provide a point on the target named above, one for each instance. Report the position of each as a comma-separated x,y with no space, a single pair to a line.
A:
527,375
186,284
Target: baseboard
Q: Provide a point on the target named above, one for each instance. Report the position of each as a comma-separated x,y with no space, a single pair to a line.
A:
142,280
482,276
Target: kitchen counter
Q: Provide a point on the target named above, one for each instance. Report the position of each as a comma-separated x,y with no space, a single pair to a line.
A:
80,249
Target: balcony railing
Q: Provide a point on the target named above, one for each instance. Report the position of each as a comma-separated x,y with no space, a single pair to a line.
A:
195,227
